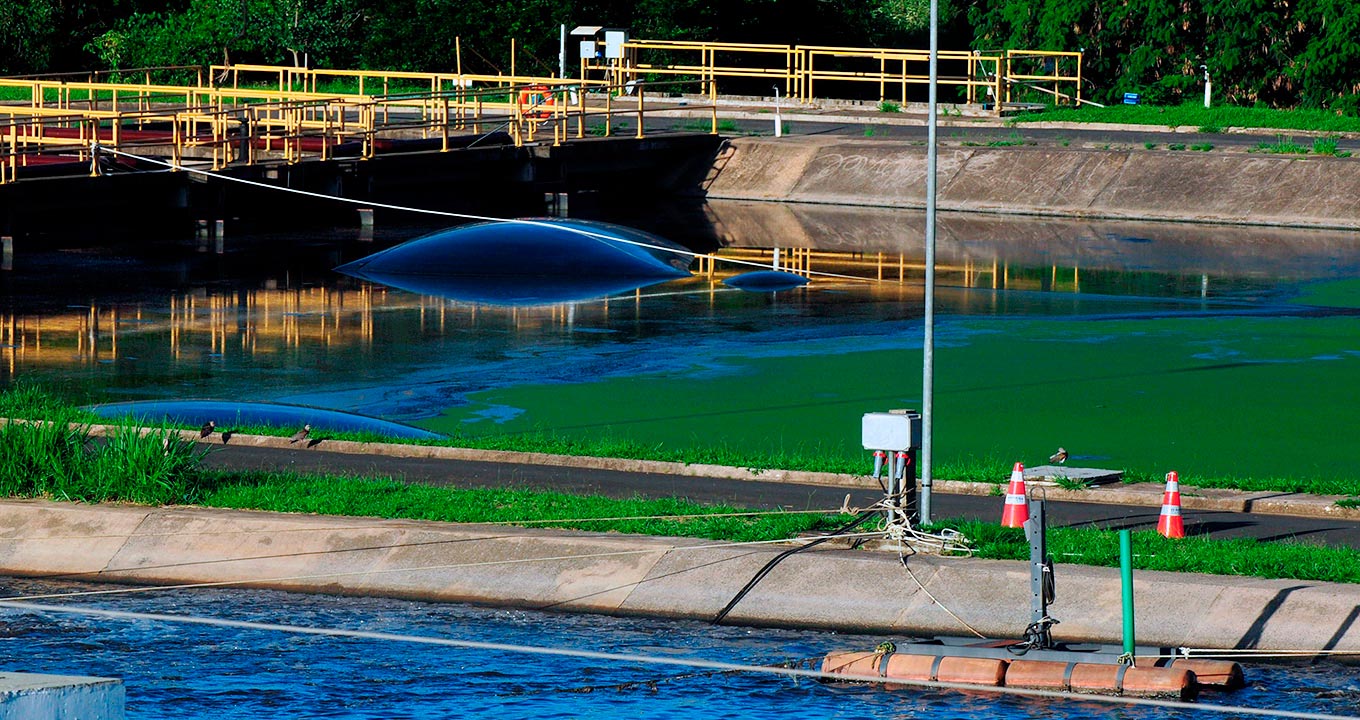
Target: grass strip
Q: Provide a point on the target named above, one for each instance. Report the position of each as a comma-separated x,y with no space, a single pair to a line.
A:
59,460
388,498
32,402
1288,559
1209,120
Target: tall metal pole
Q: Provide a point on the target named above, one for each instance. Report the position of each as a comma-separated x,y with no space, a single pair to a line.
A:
928,344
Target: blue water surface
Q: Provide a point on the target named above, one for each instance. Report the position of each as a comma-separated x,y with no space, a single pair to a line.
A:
191,671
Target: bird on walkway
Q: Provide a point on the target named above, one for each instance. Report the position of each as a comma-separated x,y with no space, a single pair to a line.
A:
226,436
207,429
301,434
1059,457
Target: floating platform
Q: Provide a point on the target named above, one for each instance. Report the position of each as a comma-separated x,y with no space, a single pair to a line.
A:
1093,669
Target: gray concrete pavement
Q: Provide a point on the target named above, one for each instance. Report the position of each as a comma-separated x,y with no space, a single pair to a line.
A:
1123,508
666,577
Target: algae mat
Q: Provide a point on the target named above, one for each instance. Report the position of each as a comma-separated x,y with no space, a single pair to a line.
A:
1237,395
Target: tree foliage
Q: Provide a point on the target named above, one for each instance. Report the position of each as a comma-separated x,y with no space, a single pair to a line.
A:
1279,53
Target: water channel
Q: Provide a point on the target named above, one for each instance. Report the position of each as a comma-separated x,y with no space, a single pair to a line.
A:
175,670
1214,350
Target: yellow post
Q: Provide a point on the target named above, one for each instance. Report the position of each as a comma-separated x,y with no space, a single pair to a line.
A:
458,54
513,74
641,91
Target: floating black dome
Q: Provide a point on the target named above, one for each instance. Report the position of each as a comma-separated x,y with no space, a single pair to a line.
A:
537,261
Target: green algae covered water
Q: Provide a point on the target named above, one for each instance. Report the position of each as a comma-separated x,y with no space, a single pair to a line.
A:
1213,351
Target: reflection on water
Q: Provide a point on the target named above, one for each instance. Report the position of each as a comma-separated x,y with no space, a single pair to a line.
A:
538,261
270,321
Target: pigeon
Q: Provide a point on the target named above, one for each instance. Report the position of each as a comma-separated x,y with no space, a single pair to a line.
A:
300,435
207,429
226,436
1059,457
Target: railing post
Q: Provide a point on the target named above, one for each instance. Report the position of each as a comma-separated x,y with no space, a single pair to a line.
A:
641,92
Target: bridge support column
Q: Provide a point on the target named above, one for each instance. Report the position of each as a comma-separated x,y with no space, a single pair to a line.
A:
6,253
366,224
220,236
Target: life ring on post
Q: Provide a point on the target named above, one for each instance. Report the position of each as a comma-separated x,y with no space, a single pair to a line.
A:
536,101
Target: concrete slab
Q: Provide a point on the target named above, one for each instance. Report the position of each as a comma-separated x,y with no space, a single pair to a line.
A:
1050,475
677,577
25,696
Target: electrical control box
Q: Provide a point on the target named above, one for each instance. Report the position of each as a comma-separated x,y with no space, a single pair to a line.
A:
893,430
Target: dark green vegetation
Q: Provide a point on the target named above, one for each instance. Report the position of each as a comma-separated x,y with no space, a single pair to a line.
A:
43,36
1278,54
1208,120
1282,54
57,462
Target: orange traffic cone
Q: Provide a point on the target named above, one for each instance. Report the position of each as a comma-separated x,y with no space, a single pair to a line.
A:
1016,511
1169,524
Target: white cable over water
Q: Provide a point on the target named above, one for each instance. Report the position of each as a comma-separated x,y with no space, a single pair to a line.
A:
463,216
655,660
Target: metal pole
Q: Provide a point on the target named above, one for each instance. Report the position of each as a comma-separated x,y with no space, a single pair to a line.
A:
562,53
1126,584
928,343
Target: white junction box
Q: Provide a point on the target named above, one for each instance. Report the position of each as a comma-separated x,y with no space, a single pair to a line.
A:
892,430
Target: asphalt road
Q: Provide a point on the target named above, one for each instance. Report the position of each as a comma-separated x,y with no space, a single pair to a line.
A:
753,494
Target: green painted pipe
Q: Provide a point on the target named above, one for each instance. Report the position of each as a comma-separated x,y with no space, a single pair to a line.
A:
1126,581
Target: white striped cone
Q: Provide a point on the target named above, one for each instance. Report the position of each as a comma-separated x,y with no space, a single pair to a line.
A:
1016,511
1170,524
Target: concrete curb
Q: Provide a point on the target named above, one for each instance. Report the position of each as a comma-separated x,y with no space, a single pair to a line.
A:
1140,494
847,590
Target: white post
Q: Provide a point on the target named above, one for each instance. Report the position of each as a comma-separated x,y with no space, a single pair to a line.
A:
778,121
1208,86
562,53
928,340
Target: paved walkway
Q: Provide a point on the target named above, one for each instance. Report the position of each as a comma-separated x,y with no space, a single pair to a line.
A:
1217,513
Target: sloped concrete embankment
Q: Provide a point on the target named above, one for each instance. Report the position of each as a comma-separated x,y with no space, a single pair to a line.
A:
668,577
1217,187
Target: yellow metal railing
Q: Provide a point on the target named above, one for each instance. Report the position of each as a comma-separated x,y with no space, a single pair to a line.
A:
246,123
1030,68
802,67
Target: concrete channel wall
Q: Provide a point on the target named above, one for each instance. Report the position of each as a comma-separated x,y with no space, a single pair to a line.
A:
852,590
1220,187
26,696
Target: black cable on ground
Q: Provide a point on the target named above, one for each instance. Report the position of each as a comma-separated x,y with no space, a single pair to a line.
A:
864,516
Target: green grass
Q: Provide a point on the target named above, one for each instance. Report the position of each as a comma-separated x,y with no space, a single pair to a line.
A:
332,495
60,461
27,401
1351,502
1280,147
889,106
1196,115
1327,146
1084,546
1176,146
1202,147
